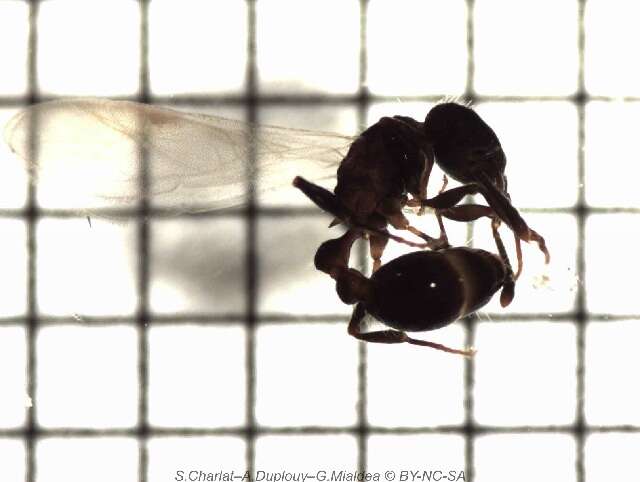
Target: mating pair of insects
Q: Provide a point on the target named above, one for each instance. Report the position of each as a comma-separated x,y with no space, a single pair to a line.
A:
92,149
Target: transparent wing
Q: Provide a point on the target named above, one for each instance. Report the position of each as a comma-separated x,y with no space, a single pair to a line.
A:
86,153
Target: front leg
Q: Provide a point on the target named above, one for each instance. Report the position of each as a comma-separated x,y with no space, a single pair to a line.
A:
510,215
500,207
393,336
508,285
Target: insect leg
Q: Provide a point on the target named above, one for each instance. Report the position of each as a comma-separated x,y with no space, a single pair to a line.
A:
445,204
443,233
393,336
446,199
510,215
518,254
467,212
391,209
424,178
508,287
377,243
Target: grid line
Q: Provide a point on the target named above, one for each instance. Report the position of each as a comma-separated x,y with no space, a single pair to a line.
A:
251,269
469,321
144,242
31,217
579,429
355,430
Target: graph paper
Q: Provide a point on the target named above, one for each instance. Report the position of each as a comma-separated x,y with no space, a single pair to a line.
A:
155,347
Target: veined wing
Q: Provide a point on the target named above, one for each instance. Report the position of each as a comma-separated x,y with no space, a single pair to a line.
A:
87,153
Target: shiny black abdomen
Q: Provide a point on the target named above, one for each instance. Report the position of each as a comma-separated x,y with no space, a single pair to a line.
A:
419,291
427,290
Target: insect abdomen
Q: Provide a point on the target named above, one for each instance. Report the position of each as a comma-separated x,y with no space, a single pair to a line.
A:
417,292
427,290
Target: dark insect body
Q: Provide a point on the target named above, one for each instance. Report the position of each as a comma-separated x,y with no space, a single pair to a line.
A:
394,158
424,290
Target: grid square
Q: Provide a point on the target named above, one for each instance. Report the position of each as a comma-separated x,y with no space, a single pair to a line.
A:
306,453
298,383
339,119
611,456
12,460
513,56
82,162
86,269
525,374
529,457
611,398
197,376
416,47
13,377
611,248
184,168
86,56
75,459
87,376
541,288
315,50
606,73
171,458
436,453
541,143
403,391
197,266
13,259
182,35
14,33
288,281
610,154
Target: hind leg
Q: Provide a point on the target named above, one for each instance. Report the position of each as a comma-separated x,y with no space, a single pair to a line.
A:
393,336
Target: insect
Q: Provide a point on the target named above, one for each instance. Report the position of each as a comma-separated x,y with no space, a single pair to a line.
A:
92,149
419,291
